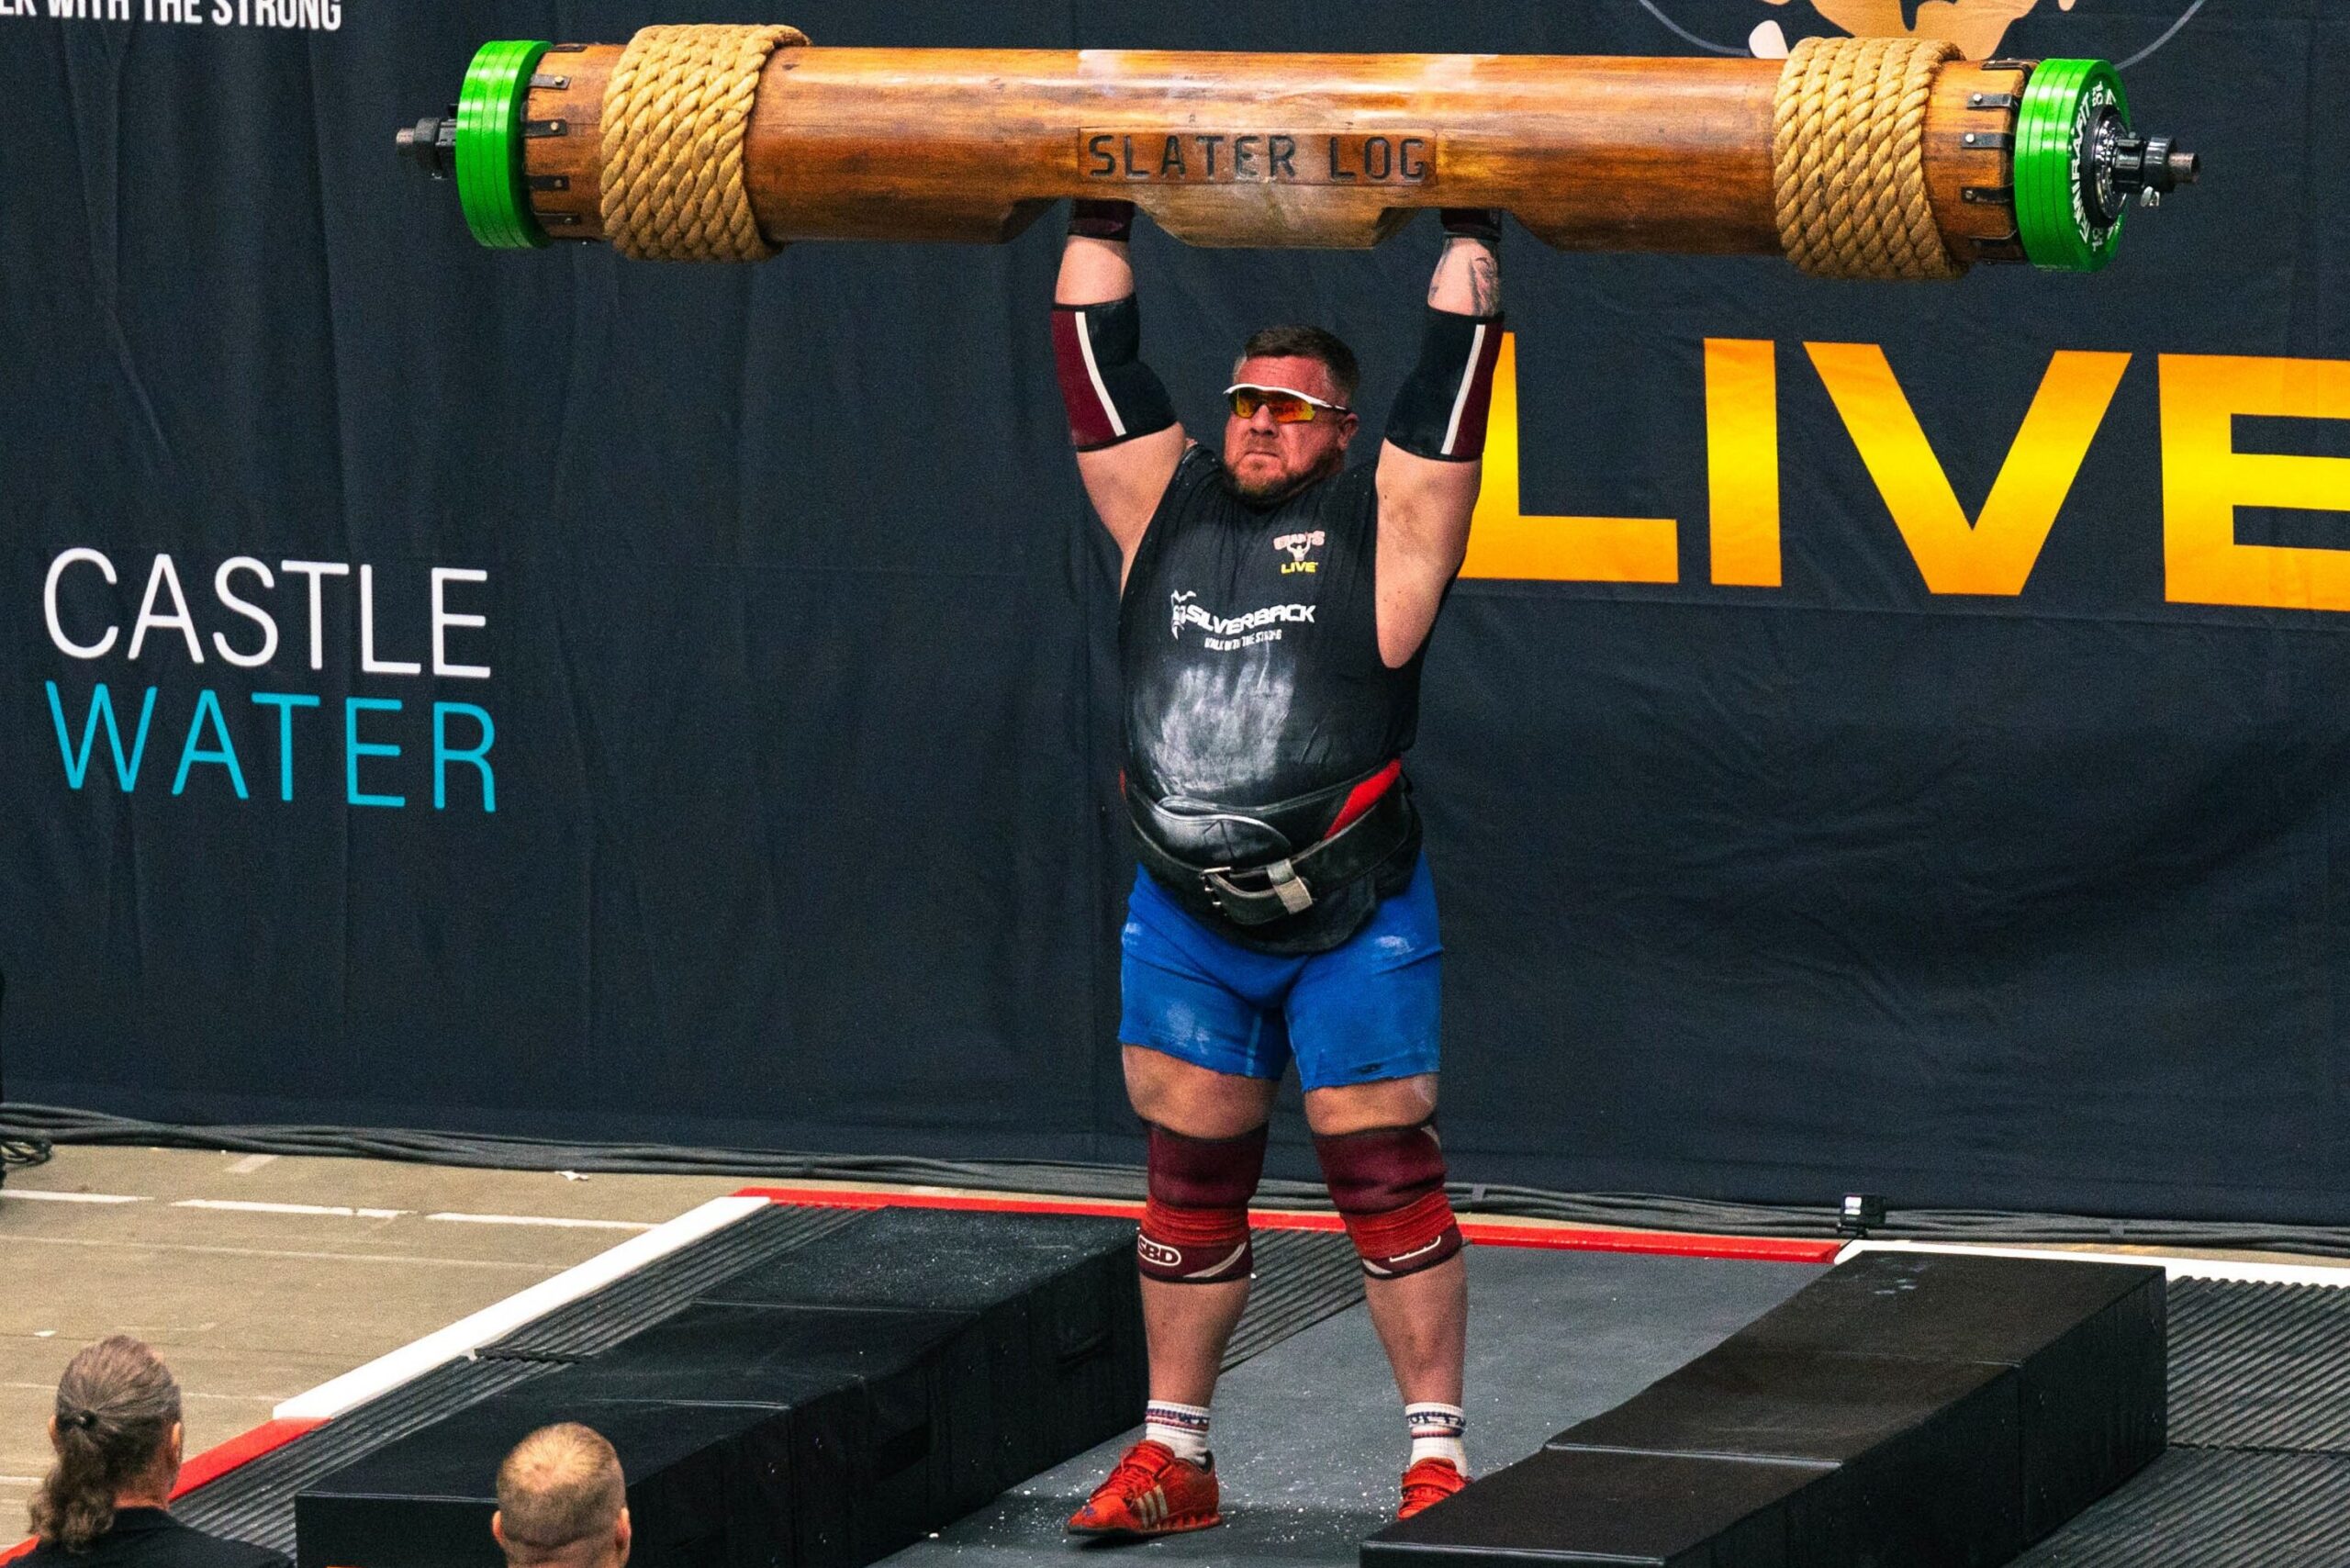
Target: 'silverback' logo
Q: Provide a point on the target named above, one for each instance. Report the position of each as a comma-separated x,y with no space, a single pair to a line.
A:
1225,632
1981,29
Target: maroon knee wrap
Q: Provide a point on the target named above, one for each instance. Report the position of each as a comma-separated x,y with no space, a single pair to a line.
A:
1196,1225
1388,1184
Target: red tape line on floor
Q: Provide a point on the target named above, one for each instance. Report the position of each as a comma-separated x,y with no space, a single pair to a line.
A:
1569,1238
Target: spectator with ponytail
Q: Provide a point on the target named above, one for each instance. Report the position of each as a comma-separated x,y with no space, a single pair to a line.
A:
105,1503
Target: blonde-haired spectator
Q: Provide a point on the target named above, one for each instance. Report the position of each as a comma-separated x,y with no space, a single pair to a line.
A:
562,1501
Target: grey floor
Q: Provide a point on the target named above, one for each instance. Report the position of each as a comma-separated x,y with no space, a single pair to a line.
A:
1309,1434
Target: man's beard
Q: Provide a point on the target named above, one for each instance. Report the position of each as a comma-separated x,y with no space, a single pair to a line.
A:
1272,492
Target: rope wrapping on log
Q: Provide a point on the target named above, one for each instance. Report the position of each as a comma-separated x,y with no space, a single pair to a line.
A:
1849,158
675,112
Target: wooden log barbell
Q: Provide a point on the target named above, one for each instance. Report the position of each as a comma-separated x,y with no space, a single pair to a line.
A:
1868,158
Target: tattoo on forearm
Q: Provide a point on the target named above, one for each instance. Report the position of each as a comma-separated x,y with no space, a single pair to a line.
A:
1485,282
1484,277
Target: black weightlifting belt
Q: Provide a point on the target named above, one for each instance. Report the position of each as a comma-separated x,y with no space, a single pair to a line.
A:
1262,864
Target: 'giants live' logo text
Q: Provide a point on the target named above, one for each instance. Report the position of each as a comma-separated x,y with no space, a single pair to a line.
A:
259,617
2205,478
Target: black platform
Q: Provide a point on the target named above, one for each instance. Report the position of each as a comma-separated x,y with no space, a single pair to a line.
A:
826,1407
1308,1441
1059,1330
1908,1408
721,1484
817,1437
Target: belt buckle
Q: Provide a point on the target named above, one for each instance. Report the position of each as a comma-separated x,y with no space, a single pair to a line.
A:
1296,897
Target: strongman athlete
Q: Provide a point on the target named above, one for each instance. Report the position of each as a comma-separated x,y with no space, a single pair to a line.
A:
1274,611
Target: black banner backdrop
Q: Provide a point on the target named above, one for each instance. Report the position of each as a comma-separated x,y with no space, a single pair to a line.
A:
621,701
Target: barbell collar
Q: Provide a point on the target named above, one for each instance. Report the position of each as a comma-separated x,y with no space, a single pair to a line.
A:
431,144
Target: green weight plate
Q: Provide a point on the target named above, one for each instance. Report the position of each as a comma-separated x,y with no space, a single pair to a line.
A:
2043,126
2057,214
2047,148
2040,160
489,145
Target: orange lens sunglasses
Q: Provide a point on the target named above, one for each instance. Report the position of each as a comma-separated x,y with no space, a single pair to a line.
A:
1288,407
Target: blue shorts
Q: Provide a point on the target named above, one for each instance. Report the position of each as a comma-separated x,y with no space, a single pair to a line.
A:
1362,1012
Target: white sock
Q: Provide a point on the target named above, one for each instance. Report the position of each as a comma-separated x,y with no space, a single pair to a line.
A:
1436,1433
1182,1428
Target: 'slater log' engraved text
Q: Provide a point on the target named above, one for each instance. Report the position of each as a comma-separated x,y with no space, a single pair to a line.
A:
1208,158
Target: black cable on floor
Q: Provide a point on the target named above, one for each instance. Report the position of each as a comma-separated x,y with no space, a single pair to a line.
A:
17,1153
1643,1210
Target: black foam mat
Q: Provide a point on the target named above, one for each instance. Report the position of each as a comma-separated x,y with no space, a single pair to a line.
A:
1955,1407
1618,1508
1747,1401
601,1319
255,1502
1055,1312
941,1260
749,1435
704,1481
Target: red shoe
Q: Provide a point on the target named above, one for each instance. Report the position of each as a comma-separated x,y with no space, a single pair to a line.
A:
1150,1492
1428,1482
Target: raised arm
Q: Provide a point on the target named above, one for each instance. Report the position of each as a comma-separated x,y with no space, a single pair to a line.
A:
1432,462
1119,415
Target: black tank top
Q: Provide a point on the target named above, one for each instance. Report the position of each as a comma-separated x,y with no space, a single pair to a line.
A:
1249,641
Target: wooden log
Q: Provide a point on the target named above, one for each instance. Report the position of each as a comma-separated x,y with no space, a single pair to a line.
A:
1329,150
